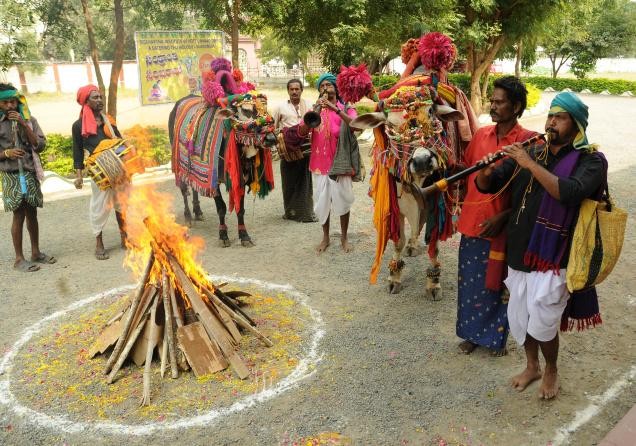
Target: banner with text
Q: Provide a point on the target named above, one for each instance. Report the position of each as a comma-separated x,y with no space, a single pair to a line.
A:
171,62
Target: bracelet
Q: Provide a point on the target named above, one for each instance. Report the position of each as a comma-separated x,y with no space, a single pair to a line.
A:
5,153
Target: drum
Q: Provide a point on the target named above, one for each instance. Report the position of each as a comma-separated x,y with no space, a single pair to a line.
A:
291,146
112,163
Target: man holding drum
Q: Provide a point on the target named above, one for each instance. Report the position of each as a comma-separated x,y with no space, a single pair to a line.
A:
89,130
21,139
294,174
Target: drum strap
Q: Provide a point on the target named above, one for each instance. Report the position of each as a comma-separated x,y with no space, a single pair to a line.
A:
107,124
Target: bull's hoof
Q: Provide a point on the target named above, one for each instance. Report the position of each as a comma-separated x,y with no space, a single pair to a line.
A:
223,238
395,287
247,243
245,239
413,251
199,216
434,294
188,218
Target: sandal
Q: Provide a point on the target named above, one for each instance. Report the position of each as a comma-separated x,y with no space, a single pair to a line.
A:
102,255
26,267
44,259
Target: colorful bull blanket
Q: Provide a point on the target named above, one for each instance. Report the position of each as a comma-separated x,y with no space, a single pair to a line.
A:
207,152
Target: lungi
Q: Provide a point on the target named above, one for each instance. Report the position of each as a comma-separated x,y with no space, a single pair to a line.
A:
329,194
297,189
102,201
12,193
481,314
537,301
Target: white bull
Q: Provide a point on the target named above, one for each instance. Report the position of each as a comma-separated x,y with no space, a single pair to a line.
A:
424,162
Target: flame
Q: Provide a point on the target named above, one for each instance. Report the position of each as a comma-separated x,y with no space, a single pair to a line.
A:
150,220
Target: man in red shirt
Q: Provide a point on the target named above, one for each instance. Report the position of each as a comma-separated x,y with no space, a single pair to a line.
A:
481,310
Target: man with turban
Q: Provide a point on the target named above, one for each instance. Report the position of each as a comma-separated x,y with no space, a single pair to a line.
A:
92,127
547,185
21,139
330,193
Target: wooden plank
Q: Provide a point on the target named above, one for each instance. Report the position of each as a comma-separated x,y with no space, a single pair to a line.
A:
138,354
106,338
197,346
212,325
227,321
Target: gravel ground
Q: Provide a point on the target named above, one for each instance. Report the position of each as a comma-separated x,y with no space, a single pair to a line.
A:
390,372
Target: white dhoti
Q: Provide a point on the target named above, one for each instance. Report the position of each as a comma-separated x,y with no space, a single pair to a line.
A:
332,196
537,301
102,201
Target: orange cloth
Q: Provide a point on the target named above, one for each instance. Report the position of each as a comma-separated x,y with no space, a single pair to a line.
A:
477,207
379,192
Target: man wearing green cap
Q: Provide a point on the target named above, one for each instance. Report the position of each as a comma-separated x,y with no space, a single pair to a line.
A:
21,139
547,184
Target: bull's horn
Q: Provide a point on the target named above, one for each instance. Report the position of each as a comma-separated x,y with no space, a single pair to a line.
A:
446,113
368,120
224,113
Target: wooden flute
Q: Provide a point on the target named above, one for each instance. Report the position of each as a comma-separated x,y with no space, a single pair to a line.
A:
442,185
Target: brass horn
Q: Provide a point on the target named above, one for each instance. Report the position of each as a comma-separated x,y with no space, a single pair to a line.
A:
312,118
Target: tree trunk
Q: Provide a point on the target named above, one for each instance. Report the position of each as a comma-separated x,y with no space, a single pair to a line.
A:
484,86
518,59
93,46
118,58
236,11
553,62
23,82
480,61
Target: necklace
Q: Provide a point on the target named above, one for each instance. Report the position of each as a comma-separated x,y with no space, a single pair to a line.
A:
541,158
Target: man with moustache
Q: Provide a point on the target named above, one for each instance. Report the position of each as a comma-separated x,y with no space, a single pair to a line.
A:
481,309
295,175
547,184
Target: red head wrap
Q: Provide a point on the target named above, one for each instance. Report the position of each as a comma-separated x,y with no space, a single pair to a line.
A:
89,125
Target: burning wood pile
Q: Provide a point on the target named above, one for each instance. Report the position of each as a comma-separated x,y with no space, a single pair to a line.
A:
175,309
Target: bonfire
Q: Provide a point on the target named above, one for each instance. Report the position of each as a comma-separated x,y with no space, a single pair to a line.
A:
175,308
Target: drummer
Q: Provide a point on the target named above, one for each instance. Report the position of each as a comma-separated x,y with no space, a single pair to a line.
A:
88,131
295,175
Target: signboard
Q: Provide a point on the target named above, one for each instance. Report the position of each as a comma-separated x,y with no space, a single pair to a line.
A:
171,62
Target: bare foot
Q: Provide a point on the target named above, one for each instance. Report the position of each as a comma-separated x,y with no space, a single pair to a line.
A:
323,246
346,246
498,353
467,347
549,384
523,379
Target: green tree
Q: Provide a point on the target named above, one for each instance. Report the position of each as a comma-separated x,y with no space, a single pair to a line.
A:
485,27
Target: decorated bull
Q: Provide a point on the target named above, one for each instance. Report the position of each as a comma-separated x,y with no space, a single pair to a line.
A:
222,137
420,129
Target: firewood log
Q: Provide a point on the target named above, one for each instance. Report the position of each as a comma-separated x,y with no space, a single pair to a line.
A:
169,329
145,399
133,307
127,348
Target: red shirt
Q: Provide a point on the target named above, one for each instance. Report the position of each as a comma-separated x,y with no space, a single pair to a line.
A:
478,207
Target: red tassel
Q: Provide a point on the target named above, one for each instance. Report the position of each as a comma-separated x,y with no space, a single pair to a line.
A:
233,169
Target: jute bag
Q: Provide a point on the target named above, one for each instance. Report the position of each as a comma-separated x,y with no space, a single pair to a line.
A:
596,243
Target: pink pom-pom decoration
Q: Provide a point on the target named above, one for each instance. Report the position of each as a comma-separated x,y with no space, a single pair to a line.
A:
437,51
227,81
245,87
211,91
220,63
353,83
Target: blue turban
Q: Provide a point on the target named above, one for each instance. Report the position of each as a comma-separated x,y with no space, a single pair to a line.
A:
570,103
325,77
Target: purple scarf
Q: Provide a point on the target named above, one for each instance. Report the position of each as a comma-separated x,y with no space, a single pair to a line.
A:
551,231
